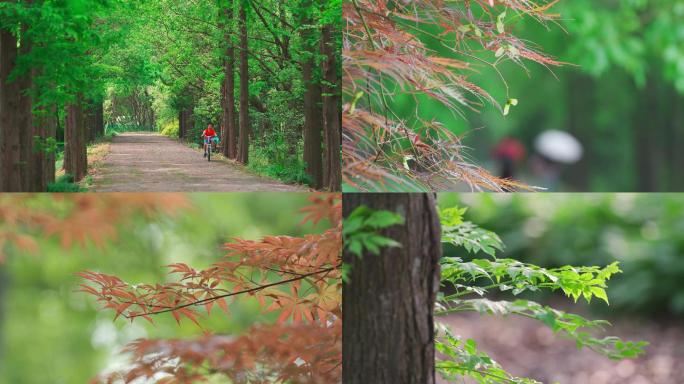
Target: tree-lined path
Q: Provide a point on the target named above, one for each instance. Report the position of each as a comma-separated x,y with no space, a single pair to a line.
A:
265,73
151,162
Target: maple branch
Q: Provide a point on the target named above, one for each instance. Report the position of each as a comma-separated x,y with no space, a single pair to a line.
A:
248,290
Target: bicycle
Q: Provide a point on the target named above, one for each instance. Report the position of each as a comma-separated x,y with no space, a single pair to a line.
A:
208,142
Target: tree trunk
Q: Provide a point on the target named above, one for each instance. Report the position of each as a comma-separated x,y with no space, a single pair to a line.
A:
644,141
332,112
190,123
243,155
581,101
10,130
99,119
181,123
677,159
25,124
50,130
313,119
75,162
228,115
389,300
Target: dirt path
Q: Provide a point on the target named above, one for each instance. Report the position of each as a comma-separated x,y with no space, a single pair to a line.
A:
150,162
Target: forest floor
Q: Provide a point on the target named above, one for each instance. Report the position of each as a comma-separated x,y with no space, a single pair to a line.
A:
149,162
526,348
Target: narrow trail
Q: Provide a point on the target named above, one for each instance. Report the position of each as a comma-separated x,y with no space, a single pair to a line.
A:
149,162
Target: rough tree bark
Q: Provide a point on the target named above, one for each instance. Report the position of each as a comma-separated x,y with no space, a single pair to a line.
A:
332,112
313,118
10,133
75,161
243,148
228,115
26,128
389,300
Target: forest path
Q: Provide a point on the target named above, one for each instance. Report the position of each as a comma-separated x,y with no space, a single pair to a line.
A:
149,162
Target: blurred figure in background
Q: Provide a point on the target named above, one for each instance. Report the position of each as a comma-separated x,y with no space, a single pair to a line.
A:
509,153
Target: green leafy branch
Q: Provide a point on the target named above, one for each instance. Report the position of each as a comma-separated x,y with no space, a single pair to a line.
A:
480,276
466,234
361,230
463,359
572,326
517,277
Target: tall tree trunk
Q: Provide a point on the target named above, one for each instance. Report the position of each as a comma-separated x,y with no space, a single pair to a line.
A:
39,165
581,101
190,123
25,123
181,123
50,130
389,300
644,141
89,122
332,112
75,162
243,155
99,119
228,115
10,130
677,159
313,119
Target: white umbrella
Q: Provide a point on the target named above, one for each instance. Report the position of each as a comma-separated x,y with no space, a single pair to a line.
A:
558,146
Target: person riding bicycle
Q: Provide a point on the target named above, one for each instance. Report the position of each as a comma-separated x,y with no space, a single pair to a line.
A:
209,134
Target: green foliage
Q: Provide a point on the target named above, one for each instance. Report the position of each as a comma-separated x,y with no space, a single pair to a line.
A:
170,129
274,156
466,234
65,183
480,277
509,274
642,231
465,360
361,229
289,173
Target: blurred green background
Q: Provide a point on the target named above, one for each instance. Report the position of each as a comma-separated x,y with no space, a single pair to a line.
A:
51,334
621,96
644,232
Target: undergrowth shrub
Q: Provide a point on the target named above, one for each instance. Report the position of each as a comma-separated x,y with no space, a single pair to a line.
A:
170,129
65,183
273,157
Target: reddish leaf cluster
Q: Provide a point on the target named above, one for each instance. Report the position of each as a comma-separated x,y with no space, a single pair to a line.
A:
296,277
384,55
75,219
272,354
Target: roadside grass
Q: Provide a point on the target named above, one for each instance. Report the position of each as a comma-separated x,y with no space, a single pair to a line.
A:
96,152
289,174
